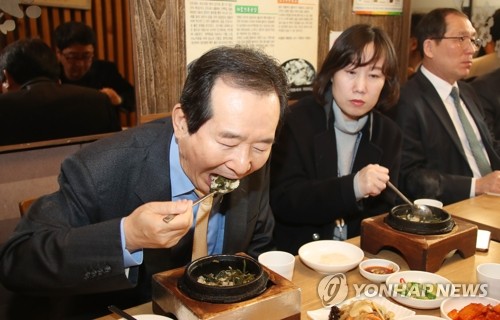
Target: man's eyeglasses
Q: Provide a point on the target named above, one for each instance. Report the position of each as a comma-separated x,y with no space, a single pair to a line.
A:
464,40
73,57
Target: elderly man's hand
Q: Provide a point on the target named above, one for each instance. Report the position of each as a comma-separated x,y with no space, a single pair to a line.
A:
488,183
145,228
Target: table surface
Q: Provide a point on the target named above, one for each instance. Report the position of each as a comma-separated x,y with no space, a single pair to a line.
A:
454,268
484,211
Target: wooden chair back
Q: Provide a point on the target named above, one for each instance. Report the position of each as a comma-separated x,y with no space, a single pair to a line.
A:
24,205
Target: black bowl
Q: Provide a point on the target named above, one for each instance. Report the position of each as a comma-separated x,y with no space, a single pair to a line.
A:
189,284
441,221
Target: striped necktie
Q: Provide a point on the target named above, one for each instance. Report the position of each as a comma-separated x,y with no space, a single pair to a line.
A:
201,226
474,144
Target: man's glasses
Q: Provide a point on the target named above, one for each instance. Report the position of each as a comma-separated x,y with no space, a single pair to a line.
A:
74,57
464,40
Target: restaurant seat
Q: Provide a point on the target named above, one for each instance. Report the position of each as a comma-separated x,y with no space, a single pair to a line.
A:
24,205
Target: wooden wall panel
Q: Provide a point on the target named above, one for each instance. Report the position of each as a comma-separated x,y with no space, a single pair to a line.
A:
159,43
337,16
109,19
160,61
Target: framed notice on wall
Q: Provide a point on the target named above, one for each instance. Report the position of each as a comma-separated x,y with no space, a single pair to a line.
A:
284,29
75,4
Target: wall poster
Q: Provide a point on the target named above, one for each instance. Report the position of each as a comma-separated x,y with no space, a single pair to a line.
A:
377,7
285,29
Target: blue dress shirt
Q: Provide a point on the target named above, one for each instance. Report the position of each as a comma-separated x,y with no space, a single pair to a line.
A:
183,188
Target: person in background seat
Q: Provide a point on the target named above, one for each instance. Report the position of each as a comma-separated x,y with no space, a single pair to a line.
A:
414,56
487,88
35,106
487,85
75,48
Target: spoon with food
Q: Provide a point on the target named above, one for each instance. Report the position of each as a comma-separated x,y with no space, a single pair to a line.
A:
218,185
421,212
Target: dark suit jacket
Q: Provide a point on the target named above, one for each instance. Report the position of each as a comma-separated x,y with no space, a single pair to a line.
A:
434,163
45,110
487,87
306,193
69,242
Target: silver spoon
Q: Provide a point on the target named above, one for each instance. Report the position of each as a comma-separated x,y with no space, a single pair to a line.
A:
419,210
218,185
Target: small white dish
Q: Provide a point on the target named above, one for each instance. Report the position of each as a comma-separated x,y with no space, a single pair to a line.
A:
429,202
330,256
421,317
427,279
371,269
149,317
399,311
280,262
460,302
489,273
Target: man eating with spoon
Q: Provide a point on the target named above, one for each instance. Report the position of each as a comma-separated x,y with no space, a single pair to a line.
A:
100,237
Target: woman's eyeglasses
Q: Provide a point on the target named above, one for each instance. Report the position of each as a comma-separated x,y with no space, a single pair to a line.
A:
464,40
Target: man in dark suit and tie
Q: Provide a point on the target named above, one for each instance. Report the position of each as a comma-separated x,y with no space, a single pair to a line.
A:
448,151
103,234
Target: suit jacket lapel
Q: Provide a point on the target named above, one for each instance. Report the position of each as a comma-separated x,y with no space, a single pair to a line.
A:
476,114
325,153
155,184
436,105
484,131
235,206
368,152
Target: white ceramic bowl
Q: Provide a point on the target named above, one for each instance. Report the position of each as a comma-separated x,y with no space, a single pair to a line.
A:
489,273
377,277
330,256
460,302
149,317
425,278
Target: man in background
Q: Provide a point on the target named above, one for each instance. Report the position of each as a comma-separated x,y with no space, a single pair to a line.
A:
488,58
487,85
75,48
34,106
448,153
414,56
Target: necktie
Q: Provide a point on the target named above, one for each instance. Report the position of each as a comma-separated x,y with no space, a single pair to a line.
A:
200,229
475,146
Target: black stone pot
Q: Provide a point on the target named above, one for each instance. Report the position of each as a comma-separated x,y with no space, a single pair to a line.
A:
440,223
189,284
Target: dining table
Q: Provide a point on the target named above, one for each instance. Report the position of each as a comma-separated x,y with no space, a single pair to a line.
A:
483,211
455,268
